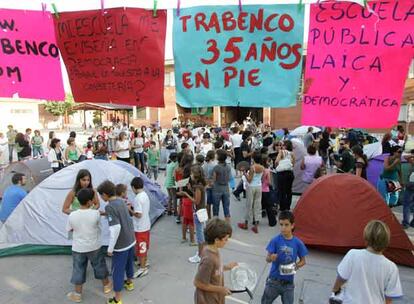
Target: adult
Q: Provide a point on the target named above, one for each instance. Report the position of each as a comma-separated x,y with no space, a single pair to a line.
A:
175,124
401,136
245,147
310,164
390,180
138,145
236,141
206,145
361,162
37,144
83,180
123,147
170,143
22,147
284,168
308,139
345,162
52,135
386,143
11,137
100,149
220,178
408,201
253,209
12,196
72,152
55,156
3,149
188,138
324,145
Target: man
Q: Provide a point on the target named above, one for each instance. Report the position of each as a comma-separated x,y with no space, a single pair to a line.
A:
11,137
308,139
345,162
245,147
12,196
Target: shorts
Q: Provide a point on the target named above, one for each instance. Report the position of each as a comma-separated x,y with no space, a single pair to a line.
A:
199,229
143,243
187,211
80,264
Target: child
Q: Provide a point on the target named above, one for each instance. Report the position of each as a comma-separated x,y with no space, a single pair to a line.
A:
369,276
85,223
170,184
121,192
199,202
37,144
121,240
283,252
89,151
142,225
153,160
200,159
209,280
187,214
243,184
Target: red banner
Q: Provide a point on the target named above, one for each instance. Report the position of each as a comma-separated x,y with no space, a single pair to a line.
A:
114,56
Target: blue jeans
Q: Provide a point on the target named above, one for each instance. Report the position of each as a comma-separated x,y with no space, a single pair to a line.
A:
37,151
275,288
139,159
122,262
408,205
11,149
199,230
209,195
103,157
80,264
223,196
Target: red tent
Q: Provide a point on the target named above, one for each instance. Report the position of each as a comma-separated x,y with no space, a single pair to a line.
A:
334,210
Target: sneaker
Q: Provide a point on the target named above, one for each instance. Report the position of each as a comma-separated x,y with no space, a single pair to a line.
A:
193,244
178,220
405,226
242,226
107,288
129,286
113,301
138,264
140,273
74,296
194,259
237,197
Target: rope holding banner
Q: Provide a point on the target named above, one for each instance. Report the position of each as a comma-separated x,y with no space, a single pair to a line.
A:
240,5
365,3
44,6
154,13
178,7
102,7
55,11
300,4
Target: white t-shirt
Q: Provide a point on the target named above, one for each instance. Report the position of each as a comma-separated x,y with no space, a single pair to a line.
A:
86,225
236,140
139,141
142,205
204,148
370,278
120,146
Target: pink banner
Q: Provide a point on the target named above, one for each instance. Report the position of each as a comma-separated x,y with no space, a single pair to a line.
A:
357,63
29,56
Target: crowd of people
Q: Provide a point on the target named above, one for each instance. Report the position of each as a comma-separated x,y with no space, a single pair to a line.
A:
203,168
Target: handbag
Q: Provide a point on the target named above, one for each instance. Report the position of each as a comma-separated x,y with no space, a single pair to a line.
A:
393,186
285,164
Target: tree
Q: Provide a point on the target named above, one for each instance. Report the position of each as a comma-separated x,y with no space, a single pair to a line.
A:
61,108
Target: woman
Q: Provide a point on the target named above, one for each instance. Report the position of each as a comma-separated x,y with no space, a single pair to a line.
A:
55,156
138,146
100,149
170,144
267,204
37,144
72,152
310,164
361,162
22,147
122,148
4,155
220,178
390,180
52,135
284,168
83,180
324,146
188,138
386,145
254,194
111,140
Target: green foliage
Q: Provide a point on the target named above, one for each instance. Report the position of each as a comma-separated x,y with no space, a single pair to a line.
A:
59,108
97,118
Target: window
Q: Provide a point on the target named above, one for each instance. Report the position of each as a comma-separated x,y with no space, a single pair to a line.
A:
21,111
172,79
141,113
167,80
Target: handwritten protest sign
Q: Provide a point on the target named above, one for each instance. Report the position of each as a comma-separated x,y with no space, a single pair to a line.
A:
114,57
227,57
357,62
29,56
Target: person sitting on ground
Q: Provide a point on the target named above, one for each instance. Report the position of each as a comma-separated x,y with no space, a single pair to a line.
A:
85,223
209,280
142,225
369,276
83,180
12,196
121,241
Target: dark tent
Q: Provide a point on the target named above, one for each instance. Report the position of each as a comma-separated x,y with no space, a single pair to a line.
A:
333,211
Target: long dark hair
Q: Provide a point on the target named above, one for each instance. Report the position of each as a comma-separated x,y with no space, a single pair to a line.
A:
198,173
81,174
358,152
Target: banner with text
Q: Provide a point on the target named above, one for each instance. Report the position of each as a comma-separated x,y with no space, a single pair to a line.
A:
29,57
357,63
227,57
116,56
